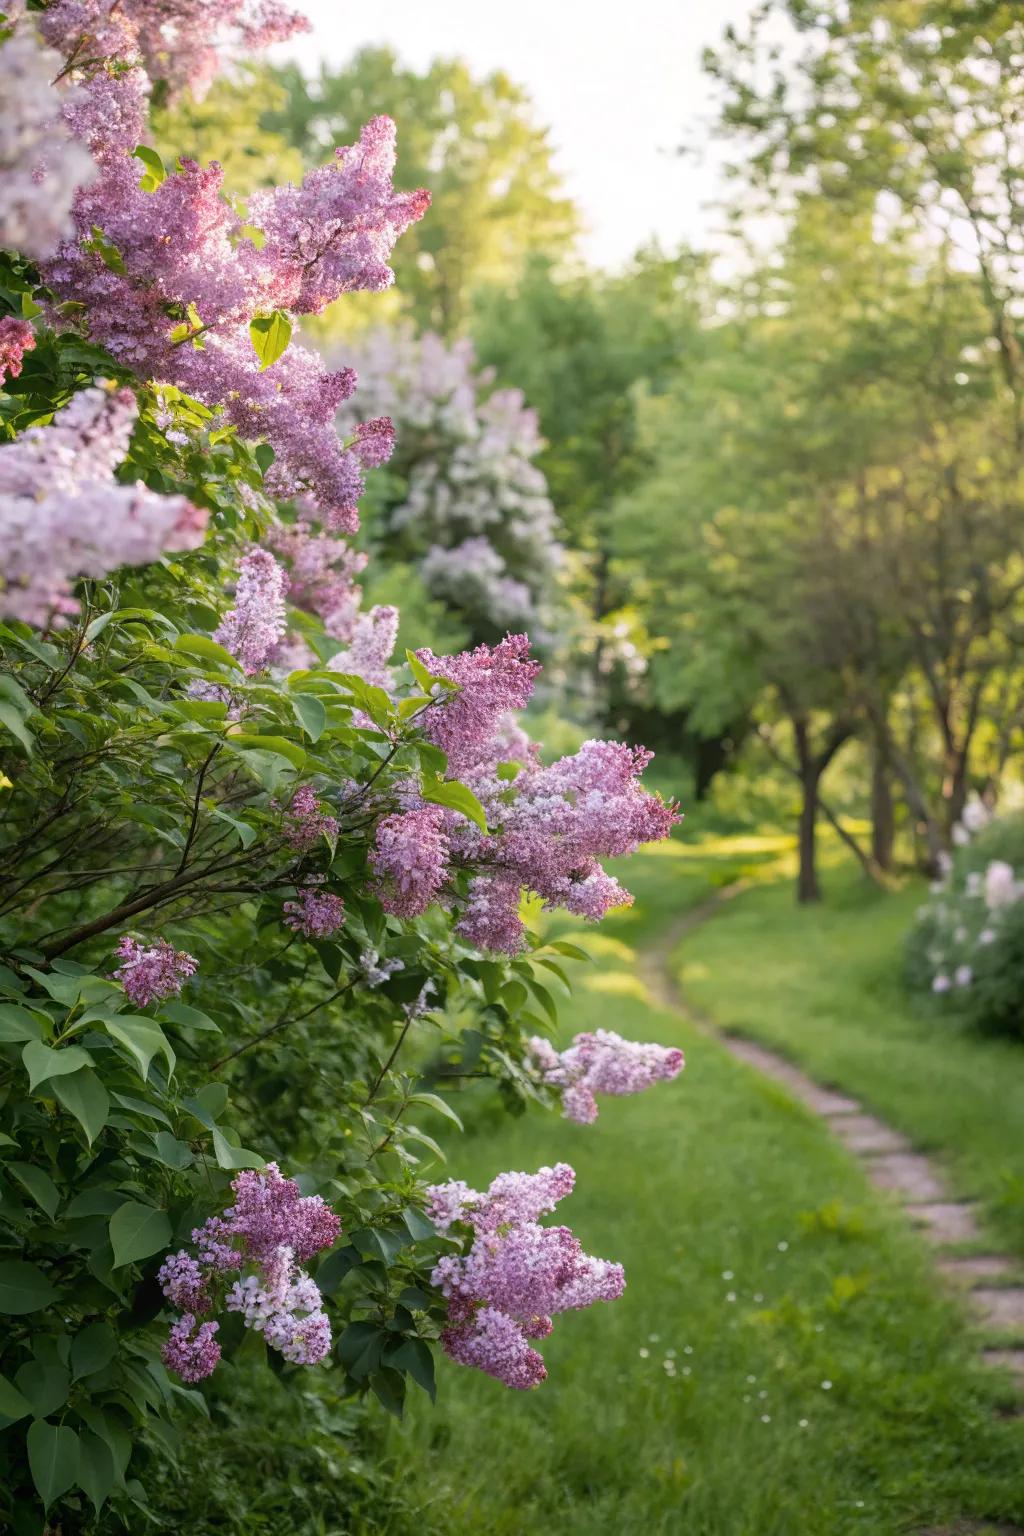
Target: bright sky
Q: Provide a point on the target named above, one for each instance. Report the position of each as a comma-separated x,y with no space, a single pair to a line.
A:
618,85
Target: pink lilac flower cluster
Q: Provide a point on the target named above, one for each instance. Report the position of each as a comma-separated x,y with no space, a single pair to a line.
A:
322,571
62,515
262,1238
41,164
149,974
474,510
306,821
549,825
516,1275
182,252
491,681
16,338
373,641
178,42
602,1062
316,914
254,626
410,860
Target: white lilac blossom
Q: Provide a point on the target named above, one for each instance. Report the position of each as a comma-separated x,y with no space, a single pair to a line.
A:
474,509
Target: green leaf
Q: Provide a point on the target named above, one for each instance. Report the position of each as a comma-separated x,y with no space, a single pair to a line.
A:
571,951
39,1185
435,1102
310,713
41,1063
425,679
280,746
420,1227
335,1267
106,250
92,1349
545,999
136,1231
96,1471
229,1156
207,650
18,1024
270,335
193,1018
45,1386
84,1096
389,1390
415,1358
156,171
360,1346
23,1288
143,1038
52,1459
12,1405
456,796
172,1152
246,834
264,456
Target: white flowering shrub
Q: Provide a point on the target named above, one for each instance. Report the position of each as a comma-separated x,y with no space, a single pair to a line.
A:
462,497
966,948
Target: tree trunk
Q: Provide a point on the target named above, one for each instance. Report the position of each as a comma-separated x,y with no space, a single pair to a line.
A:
883,819
807,887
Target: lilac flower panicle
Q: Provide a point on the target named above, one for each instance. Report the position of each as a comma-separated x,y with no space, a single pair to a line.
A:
491,681
151,974
263,1239
602,1062
410,860
16,338
306,821
63,516
315,914
254,626
192,1356
516,1274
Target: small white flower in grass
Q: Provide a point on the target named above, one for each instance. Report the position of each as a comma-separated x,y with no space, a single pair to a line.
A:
751,1379
987,936
782,1246
654,1338
826,1386
686,1370
803,1423
726,1274
963,975
687,1349
730,1295
766,1418
644,1354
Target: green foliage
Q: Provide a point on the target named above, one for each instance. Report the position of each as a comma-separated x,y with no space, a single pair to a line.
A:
145,784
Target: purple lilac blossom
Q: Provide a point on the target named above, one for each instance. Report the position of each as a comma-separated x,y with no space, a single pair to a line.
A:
602,1062
515,1275
410,860
152,974
63,516
16,338
315,914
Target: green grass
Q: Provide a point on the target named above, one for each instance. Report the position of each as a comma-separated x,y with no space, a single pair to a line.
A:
758,1262
823,985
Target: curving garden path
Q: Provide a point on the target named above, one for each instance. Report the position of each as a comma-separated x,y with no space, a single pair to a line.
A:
991,1283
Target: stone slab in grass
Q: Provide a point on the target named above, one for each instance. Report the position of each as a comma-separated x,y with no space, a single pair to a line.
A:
968,1272
1001,1311
822,1100
1011,1360
865,1134
946,1221
908,1174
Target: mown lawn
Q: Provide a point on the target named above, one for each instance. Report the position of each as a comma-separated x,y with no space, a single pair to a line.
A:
783,1363
823,985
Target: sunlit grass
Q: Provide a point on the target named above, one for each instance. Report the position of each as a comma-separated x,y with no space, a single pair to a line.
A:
782,1363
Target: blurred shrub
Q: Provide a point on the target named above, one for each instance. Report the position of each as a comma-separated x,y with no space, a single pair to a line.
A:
966,948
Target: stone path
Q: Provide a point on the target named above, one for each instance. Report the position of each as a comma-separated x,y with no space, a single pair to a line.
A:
986,1280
